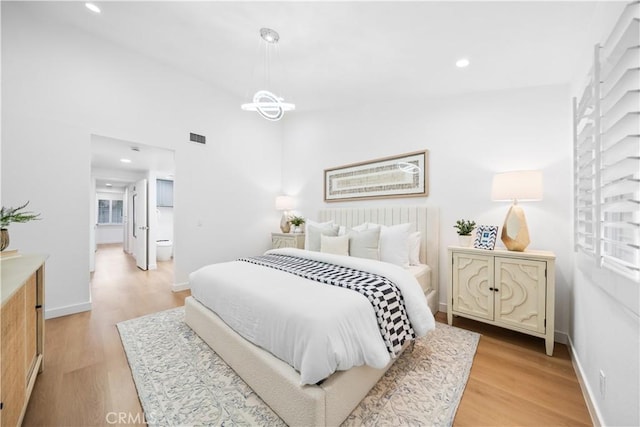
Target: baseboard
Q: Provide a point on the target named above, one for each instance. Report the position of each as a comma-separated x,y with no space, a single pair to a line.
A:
179,287
587,393
560,337
443,307
67,310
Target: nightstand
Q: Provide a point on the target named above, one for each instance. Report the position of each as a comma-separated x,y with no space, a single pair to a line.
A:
287,240
513,290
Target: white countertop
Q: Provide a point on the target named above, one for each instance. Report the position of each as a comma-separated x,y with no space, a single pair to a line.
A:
14,271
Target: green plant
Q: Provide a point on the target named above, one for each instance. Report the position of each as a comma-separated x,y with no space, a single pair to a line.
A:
296,220
9,215
464,227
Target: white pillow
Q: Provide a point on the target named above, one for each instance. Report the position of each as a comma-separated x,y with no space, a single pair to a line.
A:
365,244
360,227
314,234
314,224
394,244
338,245
415,239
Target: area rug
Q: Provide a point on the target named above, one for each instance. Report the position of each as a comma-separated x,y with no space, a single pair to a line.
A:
182,382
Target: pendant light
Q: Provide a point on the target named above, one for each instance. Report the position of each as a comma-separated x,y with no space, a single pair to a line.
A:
265,101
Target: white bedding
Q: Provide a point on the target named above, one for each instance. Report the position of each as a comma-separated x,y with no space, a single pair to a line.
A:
422,272
314,327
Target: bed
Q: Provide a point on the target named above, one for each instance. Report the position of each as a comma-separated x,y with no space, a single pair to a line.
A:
331,400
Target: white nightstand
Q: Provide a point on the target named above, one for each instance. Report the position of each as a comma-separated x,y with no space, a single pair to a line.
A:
287,240
514,290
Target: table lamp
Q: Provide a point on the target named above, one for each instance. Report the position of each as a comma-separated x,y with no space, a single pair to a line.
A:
285,204
516,186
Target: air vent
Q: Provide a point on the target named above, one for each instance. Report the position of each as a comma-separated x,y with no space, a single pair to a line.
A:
200,139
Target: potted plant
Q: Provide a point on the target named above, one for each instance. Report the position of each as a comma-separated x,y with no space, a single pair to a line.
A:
464,228
297,222
9,215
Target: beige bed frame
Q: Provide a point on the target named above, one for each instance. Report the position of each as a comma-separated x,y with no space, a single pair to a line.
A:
277,383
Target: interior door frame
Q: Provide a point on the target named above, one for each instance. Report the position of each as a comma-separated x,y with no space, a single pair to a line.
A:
141,248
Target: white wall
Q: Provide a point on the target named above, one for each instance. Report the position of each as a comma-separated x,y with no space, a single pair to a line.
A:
469,138
605,336
92,225
59,86
109,234
605,307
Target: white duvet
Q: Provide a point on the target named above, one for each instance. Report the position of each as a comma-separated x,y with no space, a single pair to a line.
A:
314,327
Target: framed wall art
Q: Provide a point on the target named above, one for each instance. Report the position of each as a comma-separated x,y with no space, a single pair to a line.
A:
486,237
404,175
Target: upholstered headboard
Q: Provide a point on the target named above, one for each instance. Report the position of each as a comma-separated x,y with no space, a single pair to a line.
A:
423,219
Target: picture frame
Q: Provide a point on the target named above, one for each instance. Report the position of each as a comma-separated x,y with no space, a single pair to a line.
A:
486,237
404,175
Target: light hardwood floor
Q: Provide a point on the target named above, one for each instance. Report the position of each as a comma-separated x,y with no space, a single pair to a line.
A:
513,382
87,381
86,375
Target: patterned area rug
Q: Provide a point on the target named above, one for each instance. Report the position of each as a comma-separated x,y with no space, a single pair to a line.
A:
181,381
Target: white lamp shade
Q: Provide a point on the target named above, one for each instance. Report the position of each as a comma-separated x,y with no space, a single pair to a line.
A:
517,185
284,203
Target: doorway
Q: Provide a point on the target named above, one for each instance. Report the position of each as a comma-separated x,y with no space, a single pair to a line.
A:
123,179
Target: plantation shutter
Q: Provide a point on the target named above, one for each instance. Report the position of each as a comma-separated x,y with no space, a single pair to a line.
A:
586,120
607,152
620,146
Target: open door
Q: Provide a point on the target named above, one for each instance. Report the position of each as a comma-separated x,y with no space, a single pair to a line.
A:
140,225
125,222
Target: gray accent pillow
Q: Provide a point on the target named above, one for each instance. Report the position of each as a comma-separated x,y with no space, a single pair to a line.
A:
314,233
365,243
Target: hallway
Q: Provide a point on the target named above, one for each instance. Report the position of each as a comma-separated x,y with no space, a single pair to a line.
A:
86,374
116,277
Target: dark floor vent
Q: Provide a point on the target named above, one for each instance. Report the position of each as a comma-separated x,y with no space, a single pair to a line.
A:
200,139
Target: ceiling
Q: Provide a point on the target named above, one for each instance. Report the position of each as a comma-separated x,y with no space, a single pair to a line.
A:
109,169
341,53
334,53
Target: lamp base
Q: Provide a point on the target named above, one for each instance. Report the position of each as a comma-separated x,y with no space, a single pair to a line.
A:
515,234
284,223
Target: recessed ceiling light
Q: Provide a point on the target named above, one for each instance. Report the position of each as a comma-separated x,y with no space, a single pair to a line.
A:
108,185
462,62
125,160
92,7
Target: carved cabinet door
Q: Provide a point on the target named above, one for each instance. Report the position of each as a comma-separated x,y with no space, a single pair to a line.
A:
282,242
521,293
473,285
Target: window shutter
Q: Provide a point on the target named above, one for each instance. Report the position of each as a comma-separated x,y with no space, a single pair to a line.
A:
607,152
586,120
620,146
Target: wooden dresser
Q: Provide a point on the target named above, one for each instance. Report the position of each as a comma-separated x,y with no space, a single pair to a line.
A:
22,333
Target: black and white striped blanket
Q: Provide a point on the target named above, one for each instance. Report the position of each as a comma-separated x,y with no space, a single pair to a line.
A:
383,294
